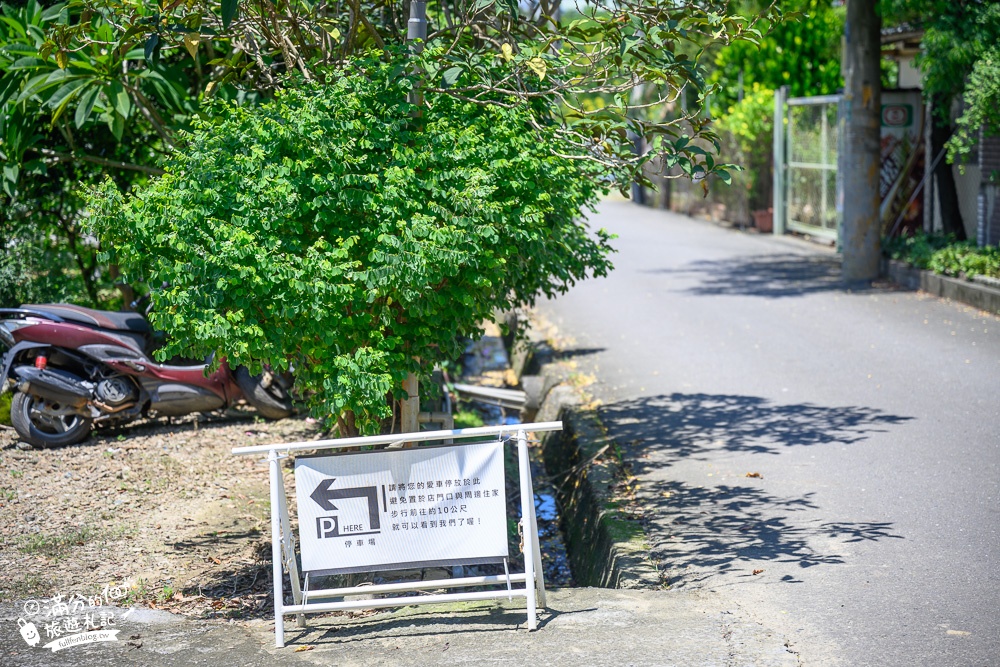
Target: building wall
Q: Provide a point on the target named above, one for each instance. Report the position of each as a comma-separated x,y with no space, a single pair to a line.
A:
967,185
909,75
988,232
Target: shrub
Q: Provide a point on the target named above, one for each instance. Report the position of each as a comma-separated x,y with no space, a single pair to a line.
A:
750,124
326,231
943,254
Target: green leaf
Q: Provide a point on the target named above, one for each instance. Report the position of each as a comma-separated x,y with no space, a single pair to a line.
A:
86,106
121,100
451,75
65,95
41,82
151,50
228,12
117,126
67,90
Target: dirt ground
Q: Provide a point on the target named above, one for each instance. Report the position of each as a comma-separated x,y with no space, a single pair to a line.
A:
164,510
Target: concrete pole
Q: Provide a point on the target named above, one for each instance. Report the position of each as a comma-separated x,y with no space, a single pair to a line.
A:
861,243
416,28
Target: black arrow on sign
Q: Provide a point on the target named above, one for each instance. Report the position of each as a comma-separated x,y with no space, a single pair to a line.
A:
323,494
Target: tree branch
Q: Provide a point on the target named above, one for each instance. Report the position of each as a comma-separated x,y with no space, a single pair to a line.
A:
104,162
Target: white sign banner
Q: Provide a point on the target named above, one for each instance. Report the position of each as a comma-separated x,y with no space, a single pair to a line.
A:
408,507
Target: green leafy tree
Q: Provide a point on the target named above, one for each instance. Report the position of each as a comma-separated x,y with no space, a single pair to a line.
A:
71,110
748,125
959,57
981,108
86,91
553,105
803,54
104,85
586,70
327,231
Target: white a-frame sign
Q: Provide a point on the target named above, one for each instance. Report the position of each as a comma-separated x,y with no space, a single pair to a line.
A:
394,509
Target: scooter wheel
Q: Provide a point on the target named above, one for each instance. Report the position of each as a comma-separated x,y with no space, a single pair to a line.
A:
272,402
45,427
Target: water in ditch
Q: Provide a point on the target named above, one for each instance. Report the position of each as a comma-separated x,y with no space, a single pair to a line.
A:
555,562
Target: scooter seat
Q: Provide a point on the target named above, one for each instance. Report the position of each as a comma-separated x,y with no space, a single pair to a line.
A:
104,319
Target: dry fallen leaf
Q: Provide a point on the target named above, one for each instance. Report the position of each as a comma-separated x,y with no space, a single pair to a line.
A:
757,571
755,475
303,648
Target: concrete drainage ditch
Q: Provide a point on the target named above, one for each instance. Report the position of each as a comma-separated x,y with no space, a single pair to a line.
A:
605,546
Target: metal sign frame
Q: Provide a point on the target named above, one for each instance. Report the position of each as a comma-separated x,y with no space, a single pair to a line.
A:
283,540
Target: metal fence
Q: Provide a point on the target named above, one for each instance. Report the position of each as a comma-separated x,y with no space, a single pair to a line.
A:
811,145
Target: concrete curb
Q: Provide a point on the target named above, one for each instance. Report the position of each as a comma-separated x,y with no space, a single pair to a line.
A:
606,549
974,294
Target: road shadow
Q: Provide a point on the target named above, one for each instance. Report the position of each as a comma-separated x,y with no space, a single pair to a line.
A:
576,352
683,426
700,532
769,276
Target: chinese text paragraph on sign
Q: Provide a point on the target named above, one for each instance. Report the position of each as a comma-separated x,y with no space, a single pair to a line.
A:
363,512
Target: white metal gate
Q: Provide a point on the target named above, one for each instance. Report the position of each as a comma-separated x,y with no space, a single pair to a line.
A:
806,185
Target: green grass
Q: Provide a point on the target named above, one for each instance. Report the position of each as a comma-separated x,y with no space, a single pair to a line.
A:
60,545
5,408
468,419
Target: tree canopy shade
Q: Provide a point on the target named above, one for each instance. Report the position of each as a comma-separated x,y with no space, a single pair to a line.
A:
326,231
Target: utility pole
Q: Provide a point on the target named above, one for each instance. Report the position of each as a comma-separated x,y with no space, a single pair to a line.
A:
416,29
861,161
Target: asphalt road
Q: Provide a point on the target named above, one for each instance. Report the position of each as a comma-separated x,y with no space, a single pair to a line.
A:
871,535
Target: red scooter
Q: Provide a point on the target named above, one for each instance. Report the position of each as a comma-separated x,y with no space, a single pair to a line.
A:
74,367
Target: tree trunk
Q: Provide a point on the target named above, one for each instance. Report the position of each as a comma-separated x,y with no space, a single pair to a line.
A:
409,408
862,155
941,131
346,425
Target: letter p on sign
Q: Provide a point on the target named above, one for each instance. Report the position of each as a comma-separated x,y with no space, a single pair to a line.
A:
326,526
